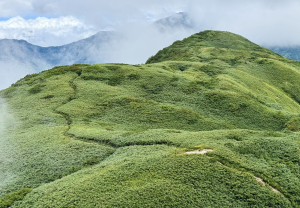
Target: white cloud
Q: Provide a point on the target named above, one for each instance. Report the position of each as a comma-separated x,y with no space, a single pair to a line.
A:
15,7
265,22
46,31
12,71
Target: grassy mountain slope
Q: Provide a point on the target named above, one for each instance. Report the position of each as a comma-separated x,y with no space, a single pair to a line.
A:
114,135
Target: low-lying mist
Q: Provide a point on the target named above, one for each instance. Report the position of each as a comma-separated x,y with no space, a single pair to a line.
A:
139,42
12,71
6,147
130,44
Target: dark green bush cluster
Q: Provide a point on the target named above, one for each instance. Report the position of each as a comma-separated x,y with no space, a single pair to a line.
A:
180,66
234,137
58,70
155,59
9,199
236,60
214,96
94,69
116,79
134,76
93,77
272,150
92,161
28,79
153,88
210,83
36,89
7,92
113,67
192,87
102,73
48,97
67,172
30,76
293,124
88,162
211,70
111,80
174,53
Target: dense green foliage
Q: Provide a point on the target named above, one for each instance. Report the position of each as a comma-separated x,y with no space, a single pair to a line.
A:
115,135
9,199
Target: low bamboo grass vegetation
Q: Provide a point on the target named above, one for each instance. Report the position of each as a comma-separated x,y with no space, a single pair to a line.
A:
115,135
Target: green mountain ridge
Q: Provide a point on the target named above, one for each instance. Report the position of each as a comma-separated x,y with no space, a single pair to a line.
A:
116,135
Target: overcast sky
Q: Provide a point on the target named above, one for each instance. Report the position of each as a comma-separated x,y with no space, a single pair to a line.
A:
58,22
267,22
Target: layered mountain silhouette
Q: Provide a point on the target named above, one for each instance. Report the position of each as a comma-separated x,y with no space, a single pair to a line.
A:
98,48
89,51
177,21
93,49
291,52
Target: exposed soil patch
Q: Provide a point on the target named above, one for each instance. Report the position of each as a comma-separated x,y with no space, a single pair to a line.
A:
198,152
259,180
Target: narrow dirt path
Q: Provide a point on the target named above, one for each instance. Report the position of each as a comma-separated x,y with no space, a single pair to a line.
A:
205,151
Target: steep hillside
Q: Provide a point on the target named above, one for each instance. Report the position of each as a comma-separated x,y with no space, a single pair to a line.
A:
211,121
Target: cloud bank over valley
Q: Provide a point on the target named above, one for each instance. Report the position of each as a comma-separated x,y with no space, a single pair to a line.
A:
138,29
44,31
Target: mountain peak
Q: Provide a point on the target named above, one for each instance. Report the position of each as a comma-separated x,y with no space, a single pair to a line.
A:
180,20
206,44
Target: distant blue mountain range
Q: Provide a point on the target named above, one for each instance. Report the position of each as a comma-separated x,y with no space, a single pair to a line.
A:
42,58
30,58
292,52
93,49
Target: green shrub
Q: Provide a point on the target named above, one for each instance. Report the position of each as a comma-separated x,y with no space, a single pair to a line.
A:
94,69
293,124
113,68
234,137
180,66
191,88
35,89
7,92
9,199
93,77
273,134
67,172
30,76
115,80
279,116
48,97
153,88
209,84
134,76
29,79
91,161
59,70
211,70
